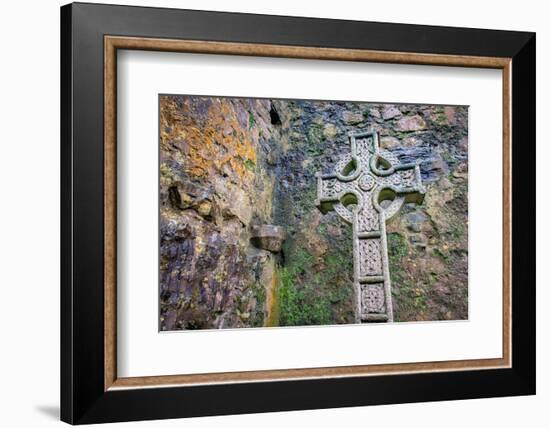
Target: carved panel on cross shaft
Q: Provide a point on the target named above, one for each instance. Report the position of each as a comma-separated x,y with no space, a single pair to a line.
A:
370,257
331,188
403,178
365,147
368,219
373,298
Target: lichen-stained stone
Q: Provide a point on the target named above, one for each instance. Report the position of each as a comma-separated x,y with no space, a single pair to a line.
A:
268,237
330,131
390,112
389,143
352,118
411,123
412,142
374,113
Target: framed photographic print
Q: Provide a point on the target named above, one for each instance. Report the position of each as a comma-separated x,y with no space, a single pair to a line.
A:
265,213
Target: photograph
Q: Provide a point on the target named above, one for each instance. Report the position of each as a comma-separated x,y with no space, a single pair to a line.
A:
289,212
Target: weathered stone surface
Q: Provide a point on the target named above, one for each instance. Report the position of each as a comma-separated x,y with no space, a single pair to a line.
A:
412,142
352,118
418,241
450,115
390,112
375,114
463,145
330,131
389,143
415,220
411,123
268,237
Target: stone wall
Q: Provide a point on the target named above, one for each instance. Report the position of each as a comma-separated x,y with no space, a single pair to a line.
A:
229,164
428,243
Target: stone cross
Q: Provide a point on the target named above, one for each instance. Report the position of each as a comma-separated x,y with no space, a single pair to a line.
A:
368,187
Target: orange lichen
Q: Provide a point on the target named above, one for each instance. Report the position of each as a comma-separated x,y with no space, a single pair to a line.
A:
213,140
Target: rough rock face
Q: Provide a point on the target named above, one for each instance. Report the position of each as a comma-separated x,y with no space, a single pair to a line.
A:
215,184
230,165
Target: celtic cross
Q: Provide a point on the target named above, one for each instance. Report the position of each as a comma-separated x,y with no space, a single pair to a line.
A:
368,187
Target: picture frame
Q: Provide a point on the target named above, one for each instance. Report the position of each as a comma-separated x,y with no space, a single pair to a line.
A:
91,390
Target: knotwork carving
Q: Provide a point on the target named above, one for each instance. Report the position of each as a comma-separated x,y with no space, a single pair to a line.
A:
373,300
367,187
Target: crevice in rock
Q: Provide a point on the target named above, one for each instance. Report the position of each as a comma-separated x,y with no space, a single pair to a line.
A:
274,115
174,197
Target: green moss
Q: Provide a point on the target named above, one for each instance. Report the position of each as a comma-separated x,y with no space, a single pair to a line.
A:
331,277
440,119
420,302
250,164
457,231
298,305
441,254
397,247
305,200
410,302
315,134
411,299
251,121
447,157
439,116
314,294
399,134
315,139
